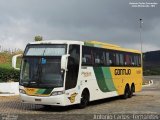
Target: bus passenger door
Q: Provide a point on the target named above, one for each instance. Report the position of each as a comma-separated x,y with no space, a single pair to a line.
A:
73,69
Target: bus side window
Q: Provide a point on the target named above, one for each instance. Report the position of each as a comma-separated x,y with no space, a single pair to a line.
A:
107,59
112,59
117,59
103,58
127,60
99,57
121,59
139,60
96,56
136,60
97,61
132,60
86,56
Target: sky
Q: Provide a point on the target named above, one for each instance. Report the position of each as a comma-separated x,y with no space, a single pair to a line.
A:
110,21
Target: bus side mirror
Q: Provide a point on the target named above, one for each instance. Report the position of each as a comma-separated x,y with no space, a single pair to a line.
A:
64,60
14,61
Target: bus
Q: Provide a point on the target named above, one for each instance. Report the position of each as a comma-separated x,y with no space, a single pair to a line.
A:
67,72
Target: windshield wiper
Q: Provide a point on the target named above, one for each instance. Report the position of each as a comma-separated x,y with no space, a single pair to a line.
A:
39,71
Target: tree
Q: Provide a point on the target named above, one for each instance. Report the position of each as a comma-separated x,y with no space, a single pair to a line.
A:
38,38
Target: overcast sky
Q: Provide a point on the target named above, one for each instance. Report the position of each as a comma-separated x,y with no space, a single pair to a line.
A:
112,21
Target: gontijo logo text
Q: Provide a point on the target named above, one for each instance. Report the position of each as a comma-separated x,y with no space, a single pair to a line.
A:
122,71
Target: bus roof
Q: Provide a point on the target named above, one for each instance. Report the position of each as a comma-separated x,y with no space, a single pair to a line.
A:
109,46
87,43
58,42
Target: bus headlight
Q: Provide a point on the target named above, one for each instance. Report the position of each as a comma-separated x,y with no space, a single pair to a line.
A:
57,93
22,91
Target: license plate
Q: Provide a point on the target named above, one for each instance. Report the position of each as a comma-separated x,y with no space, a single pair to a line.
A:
38,100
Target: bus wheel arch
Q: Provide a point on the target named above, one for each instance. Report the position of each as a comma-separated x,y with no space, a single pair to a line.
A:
85,97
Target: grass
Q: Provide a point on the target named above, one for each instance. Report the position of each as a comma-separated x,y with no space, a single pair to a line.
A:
5,66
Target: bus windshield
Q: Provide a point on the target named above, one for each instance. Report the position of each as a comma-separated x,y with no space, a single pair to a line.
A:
41,67
45,50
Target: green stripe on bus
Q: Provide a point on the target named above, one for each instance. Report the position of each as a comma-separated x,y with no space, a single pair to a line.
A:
40,91
100,79
104,79
47,91
44,91
108,79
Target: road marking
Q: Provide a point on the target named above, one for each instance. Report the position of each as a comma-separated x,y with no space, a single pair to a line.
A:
150,83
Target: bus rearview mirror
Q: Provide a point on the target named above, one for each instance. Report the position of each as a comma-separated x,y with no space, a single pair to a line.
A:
64,60
14,61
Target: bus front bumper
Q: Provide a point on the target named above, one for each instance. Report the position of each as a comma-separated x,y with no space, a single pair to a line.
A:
58,100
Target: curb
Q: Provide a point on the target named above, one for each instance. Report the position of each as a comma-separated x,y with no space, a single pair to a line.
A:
149,84
2,95
7,94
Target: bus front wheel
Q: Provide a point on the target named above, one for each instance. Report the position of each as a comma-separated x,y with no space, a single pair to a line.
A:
84,99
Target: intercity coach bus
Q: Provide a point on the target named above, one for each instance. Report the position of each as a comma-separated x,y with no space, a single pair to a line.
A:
65,72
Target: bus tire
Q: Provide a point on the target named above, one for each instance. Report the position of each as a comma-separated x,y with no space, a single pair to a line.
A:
84,99
126,92
132,91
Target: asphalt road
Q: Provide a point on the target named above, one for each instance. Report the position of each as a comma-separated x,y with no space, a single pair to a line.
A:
145,102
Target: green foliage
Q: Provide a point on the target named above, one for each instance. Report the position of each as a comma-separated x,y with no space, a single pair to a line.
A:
5,66
9,74
38,38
